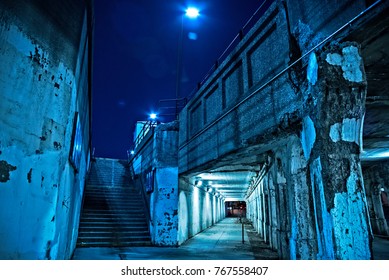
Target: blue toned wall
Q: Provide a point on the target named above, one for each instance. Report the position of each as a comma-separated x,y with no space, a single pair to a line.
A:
197,209
156,154
45,50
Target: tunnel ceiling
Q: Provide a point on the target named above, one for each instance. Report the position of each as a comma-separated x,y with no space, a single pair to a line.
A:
230,183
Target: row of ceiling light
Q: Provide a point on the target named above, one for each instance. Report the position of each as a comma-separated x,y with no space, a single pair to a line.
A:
207,186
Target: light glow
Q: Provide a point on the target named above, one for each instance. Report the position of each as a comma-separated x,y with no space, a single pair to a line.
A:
192,12
153,116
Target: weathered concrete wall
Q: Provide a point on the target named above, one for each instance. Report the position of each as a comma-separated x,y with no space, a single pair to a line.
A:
333,142
322,17
165,195
376,178
260,55
156,156
324,205
197,209
43,81
224,116
279,204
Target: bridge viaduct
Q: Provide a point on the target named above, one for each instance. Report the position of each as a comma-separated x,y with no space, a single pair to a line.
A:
295,123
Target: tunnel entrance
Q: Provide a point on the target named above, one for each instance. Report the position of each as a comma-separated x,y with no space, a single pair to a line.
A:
235,209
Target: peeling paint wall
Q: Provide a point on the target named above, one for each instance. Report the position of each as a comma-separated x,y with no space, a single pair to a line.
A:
338,194
165,207
43,82
158,156
316,178
280,207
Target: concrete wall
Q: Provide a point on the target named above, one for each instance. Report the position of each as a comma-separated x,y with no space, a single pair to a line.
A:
157,155
261,54
313,192
280,204
197,209
44,81
178,210
285,32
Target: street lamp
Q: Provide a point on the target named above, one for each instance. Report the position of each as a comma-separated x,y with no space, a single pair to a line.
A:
191,13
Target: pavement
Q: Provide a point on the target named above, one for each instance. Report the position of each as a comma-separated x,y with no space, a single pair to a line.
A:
381,247
222,241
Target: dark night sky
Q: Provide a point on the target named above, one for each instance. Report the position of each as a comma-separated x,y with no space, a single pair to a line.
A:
135,59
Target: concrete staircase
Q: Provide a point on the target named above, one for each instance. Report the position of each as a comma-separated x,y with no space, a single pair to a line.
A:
113,213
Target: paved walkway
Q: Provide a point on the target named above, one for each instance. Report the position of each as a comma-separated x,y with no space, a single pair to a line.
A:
222,241
381,248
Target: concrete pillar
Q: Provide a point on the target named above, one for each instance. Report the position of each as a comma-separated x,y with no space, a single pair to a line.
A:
273,196
165,207
164,200
331,138
283,217
302,242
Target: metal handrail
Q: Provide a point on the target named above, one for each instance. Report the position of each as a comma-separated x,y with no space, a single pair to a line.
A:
142,191
149,126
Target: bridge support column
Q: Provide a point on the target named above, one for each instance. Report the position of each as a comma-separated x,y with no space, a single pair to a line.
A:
296,226
331,138
163,175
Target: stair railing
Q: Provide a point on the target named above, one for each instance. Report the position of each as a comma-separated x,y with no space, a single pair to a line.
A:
142,190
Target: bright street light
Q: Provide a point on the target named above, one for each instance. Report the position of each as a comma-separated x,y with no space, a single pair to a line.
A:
192,12
153,116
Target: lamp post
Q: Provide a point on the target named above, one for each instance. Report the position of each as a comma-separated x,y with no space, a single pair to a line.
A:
191,13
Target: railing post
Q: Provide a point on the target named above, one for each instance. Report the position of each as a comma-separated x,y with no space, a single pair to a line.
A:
242,231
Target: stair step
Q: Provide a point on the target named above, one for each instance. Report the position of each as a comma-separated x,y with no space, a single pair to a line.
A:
124,210
104,237
113,205
114,242
117,221
113,212
139,233
111,244
114,200
94,228
121,215
121,194
113,217
93,238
